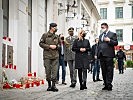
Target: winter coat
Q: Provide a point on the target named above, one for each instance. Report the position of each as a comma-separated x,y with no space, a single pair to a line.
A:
81,58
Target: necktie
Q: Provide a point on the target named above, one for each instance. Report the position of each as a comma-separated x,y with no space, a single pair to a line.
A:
62,51
104,35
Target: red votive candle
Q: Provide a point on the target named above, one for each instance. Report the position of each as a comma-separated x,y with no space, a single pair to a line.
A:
42,81
34,74
29,74
15,67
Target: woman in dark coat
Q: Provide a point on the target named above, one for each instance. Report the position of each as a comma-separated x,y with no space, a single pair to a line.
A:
81,46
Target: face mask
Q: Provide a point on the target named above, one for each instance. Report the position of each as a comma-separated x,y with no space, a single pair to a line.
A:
62,38
55,30
103,30
84,34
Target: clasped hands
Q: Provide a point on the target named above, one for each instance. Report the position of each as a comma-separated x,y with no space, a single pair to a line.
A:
82,49
53,46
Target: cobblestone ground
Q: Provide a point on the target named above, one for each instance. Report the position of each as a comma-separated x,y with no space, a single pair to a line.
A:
122,90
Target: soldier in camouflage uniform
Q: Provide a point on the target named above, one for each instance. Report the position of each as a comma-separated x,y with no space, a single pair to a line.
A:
49,42
70,57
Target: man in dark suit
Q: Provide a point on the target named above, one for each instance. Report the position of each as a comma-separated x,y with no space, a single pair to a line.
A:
106,53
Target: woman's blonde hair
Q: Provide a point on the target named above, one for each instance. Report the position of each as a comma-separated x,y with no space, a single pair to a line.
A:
79,34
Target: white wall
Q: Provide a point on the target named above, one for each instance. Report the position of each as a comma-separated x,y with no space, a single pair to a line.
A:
38,28
22,39
42,29
52,12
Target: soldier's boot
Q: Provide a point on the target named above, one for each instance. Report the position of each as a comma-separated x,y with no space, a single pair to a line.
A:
53,88
84,85
49,86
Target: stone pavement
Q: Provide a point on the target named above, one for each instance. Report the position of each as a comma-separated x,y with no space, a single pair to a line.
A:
122,90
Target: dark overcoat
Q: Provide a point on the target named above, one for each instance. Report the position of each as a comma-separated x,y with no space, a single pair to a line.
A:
81,58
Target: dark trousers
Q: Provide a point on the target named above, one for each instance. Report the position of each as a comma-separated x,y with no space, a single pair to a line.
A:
91,66
120,65
73,71
107,66
82,74
61,63
96,69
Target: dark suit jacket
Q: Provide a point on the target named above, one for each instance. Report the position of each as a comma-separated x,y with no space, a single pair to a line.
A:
107,48
93,50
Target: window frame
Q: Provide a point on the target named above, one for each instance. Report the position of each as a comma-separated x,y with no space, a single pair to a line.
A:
118,12
6,17
103,13
120,39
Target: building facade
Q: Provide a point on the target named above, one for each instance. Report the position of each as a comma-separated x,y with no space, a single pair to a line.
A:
119,15
22,23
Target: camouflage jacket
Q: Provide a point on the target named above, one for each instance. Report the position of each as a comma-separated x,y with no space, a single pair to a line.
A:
46,40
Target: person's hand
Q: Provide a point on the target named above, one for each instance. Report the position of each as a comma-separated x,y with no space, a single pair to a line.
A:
82,49
106,39
53,46
95,57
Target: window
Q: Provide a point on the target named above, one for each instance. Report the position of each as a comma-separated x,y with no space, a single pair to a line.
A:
29,33
119,12
5,7
119,33
103,13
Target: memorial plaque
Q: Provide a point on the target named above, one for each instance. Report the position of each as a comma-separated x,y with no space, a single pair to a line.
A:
9,54
3,54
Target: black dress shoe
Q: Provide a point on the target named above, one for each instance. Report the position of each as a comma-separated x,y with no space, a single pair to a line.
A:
94,80
73,85
82,87
85,87
105,88
64,83
99,80
109,88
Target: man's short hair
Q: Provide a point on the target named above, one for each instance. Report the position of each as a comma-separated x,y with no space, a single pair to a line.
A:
71,29
105,24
